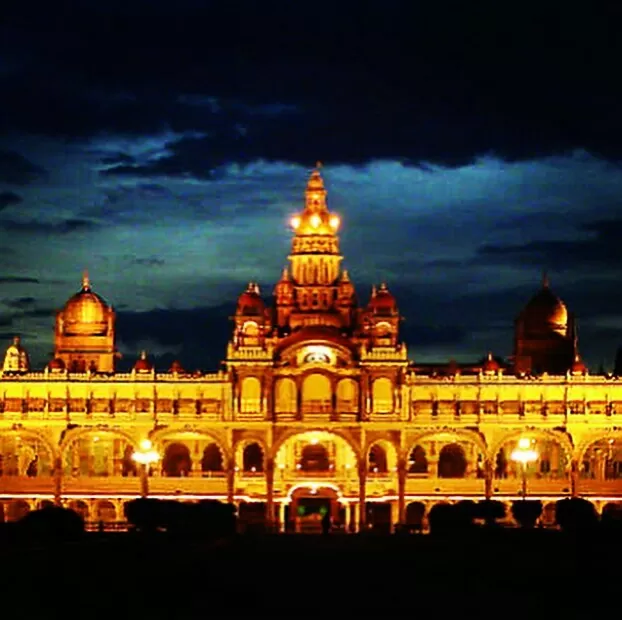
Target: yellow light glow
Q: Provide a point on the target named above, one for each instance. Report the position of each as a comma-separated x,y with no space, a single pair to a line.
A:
145,445
524,443
295,222
524,453
334,222
315,220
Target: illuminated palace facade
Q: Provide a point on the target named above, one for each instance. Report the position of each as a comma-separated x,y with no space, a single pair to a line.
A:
317,404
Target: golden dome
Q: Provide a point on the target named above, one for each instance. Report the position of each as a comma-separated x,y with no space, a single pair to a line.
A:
86,312
545,312
250,301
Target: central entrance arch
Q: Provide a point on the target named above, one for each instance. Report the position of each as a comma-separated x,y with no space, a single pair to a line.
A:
309,504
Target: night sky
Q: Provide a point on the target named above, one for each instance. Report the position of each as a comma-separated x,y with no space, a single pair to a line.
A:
163,146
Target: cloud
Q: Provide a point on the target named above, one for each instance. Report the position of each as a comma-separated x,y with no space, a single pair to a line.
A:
15,169
19,303
151,261
9,199
65,227
18,280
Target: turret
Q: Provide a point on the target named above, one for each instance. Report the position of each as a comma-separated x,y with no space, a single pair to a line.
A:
16,358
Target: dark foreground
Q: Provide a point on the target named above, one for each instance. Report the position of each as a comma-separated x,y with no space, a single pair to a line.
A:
488,574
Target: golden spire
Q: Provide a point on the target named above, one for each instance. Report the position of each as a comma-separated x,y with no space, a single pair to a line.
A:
86,283
546,283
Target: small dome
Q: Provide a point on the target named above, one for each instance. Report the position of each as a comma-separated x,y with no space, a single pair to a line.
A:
176,367
545,312
382,300
315,183
86,313
16,357
250,301
578,367
491,364
143,364
56,364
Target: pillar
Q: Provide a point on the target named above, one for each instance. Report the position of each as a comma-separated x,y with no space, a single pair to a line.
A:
574,478
395,511
270,492
362,495
356,516
230,480
58,481
282,517
488,479
347,515
401,491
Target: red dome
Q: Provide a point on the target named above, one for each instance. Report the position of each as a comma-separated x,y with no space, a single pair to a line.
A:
56,364
176,367
250,301
143,364
491,364
578,367
382,300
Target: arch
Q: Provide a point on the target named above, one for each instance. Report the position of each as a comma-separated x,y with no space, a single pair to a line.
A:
452,435
212,459
105,511
382,395
17,509
415,514
347,393
316,393
25,454
80,507
560,437
96,452
45,503
252,457
553,460
176,461
548,514
601,459
417,461
313,435
250,395
75,433
165,436
452,461
381,457
285,395
315,458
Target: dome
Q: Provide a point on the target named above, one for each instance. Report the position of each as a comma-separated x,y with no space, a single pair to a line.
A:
545,312
578,367
382,300
56,364
143,364
16,357
250,301
86,312
176,367
491,364
316,334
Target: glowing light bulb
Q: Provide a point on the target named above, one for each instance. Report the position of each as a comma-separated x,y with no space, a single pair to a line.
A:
145,445
315,221
334,222
295,222
524,443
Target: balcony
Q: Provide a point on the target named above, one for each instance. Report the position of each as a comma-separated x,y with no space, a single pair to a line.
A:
535,486
445,486
603,488
25,485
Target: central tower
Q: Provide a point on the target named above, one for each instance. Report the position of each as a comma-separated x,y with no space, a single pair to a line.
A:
314,263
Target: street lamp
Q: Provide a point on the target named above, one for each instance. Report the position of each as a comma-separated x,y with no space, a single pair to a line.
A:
145,456
524,454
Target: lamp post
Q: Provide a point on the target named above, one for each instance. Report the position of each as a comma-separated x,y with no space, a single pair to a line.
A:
524,454
145,457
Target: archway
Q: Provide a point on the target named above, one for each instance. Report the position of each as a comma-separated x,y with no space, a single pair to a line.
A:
377,460
415,515
17,509
98,453
285,396
316,394
382,395
81,508
24,455
417,461
452,462
45,503
106,511
602,460
177,461
212,460
252,458
552,462
309,504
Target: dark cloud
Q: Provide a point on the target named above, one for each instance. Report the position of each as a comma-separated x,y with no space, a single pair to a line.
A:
15,169
18,280
151,261
9,199
20,303
68,226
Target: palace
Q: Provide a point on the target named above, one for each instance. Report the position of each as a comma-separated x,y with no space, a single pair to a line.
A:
317,409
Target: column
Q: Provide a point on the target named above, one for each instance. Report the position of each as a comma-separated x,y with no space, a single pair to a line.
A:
230,480
395,518
574,478
362,495
488,480
281,517
356,516
347,515
270,492
401,492
58,481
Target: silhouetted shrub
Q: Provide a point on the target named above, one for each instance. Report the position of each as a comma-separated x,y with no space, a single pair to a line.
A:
526,512
52,523
611,517
144,514
445,518
465,513
491,511
575,513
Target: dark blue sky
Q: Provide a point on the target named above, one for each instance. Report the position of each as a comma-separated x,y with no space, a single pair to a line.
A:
164,146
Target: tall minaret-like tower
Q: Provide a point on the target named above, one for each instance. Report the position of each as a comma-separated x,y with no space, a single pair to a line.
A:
315,258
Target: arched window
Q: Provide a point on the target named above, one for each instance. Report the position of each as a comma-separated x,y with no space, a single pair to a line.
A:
176,461
452,461
382,391
314,457
378,460
418,462
252,458
212,459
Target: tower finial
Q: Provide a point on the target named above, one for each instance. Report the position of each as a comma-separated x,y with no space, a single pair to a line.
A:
546,282
318,164
86,283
